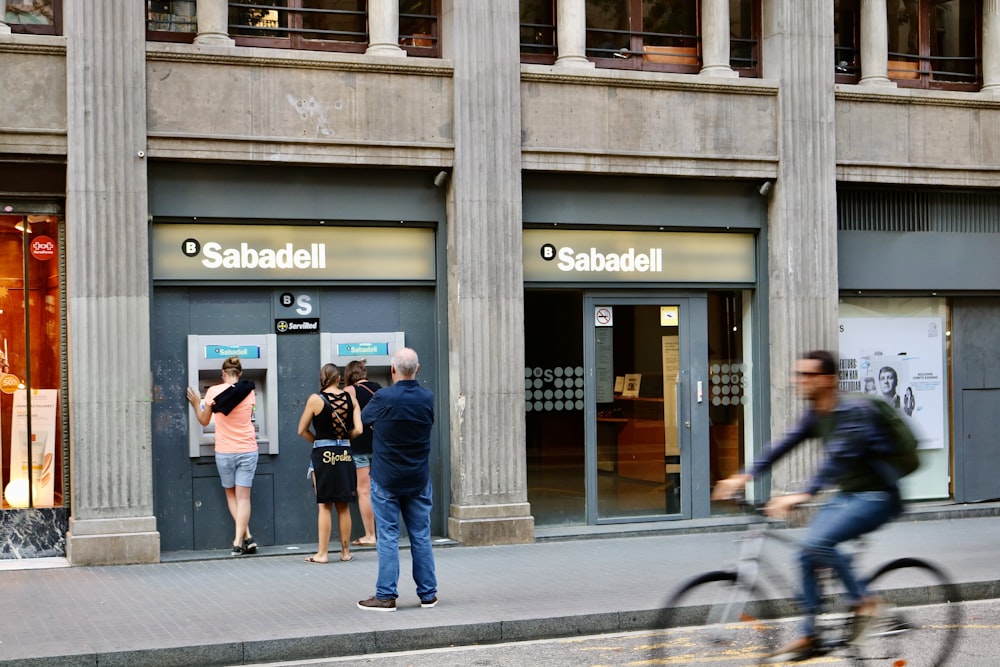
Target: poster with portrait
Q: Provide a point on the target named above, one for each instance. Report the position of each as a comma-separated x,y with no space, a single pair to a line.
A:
42,448
901,360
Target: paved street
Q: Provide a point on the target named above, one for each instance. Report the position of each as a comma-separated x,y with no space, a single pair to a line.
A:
275,607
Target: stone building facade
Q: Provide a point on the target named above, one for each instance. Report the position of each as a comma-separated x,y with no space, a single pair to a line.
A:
115,132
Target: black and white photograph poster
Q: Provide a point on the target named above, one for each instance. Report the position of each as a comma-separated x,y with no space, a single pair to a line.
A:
901,360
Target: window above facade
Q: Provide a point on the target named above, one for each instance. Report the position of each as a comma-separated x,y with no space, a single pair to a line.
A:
847,40
660,35
34,17
934,43
315,25
171,20
644,34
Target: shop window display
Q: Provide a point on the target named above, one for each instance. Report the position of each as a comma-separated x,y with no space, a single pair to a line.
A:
31,425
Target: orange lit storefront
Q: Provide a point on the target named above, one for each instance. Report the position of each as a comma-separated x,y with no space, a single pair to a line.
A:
34,454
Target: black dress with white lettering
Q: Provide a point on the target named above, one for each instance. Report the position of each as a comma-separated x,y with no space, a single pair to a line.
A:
334,472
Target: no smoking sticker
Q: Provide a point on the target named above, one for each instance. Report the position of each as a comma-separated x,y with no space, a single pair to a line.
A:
603,316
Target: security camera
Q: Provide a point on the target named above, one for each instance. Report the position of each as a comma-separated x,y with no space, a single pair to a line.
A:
441,178
765,188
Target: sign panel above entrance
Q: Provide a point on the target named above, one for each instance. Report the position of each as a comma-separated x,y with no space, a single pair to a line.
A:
575,255
285,252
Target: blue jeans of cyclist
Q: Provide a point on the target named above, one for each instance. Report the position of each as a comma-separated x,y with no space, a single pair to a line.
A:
416,512
845,517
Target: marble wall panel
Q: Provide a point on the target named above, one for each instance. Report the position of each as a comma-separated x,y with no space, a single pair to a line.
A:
33,533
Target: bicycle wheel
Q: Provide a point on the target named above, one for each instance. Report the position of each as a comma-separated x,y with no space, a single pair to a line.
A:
712,617
921,618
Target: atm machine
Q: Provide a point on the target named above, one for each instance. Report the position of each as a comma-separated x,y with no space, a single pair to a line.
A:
259,357
376,349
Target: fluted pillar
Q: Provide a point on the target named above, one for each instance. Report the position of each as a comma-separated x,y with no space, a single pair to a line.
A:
488,468
874,44
715,39
107,285
383,28
213,23
802,221
571,34
991,46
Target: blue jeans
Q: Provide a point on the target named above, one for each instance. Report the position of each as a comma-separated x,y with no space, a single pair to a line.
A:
845,517
236,469
416,512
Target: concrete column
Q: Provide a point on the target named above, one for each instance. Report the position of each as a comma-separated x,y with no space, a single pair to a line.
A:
107,286
383,29
802,220
715,39
4,28
571,33
213,23
991,46
485,284
874,44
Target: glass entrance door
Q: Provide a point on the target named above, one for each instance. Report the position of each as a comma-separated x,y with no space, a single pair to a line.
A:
646,413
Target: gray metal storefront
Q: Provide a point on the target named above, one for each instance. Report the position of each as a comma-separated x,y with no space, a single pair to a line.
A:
357,251
896,244
644,343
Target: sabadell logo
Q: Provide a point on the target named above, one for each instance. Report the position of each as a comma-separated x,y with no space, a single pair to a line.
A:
216,256
593,260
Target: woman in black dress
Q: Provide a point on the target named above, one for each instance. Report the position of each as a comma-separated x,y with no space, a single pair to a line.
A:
335,418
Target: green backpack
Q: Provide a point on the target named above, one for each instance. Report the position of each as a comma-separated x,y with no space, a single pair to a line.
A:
903,457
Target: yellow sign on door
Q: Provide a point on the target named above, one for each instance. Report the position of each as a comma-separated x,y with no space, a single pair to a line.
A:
669,317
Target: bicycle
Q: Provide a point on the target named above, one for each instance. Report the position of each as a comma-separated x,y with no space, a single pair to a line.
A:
746,613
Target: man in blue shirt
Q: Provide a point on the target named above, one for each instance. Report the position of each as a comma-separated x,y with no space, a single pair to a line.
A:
852,430
402,416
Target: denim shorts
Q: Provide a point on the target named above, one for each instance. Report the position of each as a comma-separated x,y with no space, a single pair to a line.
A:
362,460
236,469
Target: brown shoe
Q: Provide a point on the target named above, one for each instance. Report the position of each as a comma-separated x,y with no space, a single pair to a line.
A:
798,649
378,604
865,614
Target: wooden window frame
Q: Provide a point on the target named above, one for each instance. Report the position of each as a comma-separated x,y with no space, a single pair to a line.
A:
636,57
753,71
850,72
423,45
293,11
170,35
922,73
542,58
54,28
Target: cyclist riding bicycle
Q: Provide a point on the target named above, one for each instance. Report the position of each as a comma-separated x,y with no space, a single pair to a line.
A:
866,500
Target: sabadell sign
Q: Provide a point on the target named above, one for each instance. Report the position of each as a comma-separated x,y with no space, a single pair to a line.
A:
635,256
295,253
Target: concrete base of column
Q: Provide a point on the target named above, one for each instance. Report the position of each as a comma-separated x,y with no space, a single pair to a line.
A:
391,50
121,541
214,39
574,61
992,89
483,525
723,71
4,29
883,81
